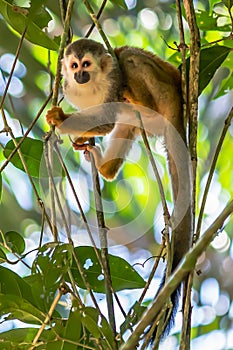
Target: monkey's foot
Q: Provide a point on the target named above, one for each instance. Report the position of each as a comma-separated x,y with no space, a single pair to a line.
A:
55,116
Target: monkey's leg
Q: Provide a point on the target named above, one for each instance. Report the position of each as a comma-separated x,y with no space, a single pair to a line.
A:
116,151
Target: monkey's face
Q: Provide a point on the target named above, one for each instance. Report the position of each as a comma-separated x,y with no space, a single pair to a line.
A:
78,70
85,68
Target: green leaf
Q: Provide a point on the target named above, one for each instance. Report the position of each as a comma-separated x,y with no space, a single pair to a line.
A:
10,340
19,18
48,270
226,86
228,3
73,330
120,3
209,21
132,317
0,188
210,60
98,326
3,257
32,151
15,307
122,274
15,241
11,283
38,13
53,262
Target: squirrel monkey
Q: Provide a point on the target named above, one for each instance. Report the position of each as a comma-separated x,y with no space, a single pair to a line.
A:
137,80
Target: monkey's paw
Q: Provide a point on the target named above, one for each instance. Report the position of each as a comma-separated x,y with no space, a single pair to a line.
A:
55,116
79,141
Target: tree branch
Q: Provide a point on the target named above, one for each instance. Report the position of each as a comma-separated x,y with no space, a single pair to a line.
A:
175,279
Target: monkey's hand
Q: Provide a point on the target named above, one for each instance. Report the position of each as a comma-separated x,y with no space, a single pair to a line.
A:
55,116
95,150
79,142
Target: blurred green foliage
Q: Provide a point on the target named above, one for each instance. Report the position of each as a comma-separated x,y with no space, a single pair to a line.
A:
132,203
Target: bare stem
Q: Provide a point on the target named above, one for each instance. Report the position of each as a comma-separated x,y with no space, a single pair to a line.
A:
63,289
98,26
62,46
97,17
182,48
192,112
103,243
13,67
154,268
211,172
156,172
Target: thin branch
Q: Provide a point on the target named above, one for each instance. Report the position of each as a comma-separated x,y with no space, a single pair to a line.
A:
155,169
192,113
97,17
62,46
98,26
26,133
51,137
166,214
212,169
183,48
154,268
86,283
78,202
103,242
193,90
53,190
13,66
22,159
175,279
63,289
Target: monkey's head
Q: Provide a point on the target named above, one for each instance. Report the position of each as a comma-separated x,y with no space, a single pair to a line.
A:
86,61
87,70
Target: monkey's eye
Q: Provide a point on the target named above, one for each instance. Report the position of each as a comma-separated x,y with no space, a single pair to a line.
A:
86,64
74,65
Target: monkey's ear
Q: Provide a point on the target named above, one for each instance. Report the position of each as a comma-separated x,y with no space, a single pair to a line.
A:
106,63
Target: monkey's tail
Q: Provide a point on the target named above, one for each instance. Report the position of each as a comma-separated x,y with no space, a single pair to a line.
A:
171,313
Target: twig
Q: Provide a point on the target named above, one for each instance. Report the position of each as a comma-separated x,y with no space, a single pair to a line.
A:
156,172
26,133
48,153
175,279
78,202
87,285
51,139
154,268
193,90
98,26
61,51
183,48
211,172
192,108
40,202
13,67
63,289
166,214
103,242
97,17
